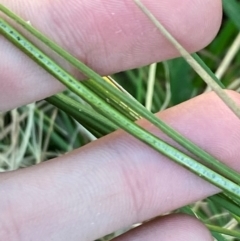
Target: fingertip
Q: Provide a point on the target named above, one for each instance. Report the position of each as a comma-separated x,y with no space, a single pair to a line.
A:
177,227
193,23
207,23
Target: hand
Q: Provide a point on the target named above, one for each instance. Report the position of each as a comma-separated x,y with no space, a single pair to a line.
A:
116,181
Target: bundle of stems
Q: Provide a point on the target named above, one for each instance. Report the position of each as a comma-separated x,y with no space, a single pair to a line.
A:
113,108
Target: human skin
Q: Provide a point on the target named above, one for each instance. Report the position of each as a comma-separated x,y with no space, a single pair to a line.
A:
115,181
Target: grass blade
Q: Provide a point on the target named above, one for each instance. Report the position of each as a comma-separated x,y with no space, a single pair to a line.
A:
87,117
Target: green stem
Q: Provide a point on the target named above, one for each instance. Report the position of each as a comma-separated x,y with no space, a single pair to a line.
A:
87,117
225,231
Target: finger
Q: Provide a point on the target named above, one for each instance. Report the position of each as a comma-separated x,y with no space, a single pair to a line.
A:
109,36
116,181
176,227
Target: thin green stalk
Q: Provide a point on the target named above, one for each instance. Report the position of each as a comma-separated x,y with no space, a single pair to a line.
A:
101,86
226,203
139,84
87,117
119,119
209,71
225,231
